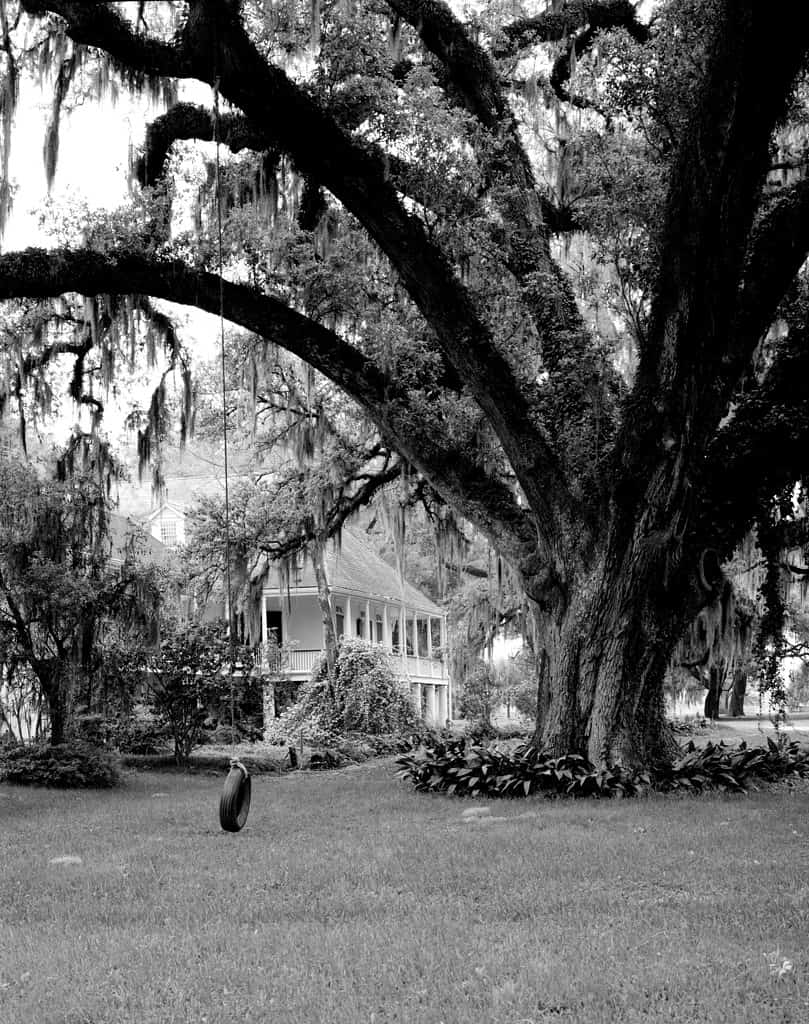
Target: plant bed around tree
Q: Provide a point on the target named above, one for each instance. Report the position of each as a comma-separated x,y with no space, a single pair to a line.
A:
458,769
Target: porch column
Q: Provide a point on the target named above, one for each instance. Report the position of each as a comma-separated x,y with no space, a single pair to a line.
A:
430,637
441,692
416,638
368,633
349,629
386,637
445,674
402,637
417,698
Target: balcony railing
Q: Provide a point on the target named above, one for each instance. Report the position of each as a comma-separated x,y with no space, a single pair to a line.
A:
286,662
296,662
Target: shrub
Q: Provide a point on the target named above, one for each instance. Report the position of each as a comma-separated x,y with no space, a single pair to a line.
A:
139,736
462,769
90,728
74,765
223,735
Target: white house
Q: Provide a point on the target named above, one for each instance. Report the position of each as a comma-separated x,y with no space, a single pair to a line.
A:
370,601
166,523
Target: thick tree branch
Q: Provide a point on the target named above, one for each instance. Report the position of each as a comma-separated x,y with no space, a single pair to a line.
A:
491,504
778,247
763,448
556,25
692,359
190,121
101,26
475,80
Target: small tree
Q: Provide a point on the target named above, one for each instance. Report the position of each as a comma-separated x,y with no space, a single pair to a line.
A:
185,675
479,695
59,586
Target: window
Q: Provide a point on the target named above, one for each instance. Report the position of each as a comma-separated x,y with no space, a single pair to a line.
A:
339,620
168,532
380,638
361,624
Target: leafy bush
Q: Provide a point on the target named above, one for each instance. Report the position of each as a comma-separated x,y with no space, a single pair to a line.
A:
139,736
470,770
73,765
224,735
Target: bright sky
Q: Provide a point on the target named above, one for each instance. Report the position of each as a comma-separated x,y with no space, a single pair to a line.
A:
93,159
95,141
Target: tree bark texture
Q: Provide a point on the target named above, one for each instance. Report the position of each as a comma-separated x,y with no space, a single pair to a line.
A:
326,611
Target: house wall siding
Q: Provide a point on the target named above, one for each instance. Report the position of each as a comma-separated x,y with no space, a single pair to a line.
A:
302,623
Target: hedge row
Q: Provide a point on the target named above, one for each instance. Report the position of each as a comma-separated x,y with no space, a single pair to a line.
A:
74,765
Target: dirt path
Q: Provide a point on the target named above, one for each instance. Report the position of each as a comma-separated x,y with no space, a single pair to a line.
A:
755,729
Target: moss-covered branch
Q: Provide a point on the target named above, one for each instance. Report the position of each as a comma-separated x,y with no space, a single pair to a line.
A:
487,501
573,17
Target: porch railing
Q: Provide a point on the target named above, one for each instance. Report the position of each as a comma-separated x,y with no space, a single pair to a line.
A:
293,662
296,661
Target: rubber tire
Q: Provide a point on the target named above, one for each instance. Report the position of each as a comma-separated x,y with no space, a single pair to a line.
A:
234,804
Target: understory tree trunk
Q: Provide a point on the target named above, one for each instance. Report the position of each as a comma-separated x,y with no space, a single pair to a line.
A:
56,689
737,693
714,694
326,612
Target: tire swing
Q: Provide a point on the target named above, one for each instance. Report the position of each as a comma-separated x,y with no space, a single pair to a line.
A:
234,804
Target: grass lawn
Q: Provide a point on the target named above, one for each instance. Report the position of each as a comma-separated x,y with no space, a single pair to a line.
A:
351,899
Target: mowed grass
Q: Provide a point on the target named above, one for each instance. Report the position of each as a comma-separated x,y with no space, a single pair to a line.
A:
351,899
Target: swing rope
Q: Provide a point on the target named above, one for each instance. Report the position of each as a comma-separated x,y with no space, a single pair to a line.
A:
228,585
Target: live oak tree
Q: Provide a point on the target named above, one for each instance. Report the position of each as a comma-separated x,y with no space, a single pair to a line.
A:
613,498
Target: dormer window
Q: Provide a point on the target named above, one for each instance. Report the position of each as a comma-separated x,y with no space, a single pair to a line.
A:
168,532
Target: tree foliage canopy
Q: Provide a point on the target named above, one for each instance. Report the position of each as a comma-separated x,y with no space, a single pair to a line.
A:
407,197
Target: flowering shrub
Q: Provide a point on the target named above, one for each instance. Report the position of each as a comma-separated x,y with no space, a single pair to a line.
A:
368,698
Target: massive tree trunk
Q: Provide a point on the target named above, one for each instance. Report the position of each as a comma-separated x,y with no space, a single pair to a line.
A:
610,630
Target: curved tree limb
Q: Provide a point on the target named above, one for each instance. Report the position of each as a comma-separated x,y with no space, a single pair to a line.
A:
559,23
778,247
215,48
191,121
491,504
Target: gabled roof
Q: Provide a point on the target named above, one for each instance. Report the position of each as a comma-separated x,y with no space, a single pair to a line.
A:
166,509
355,568
123,531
